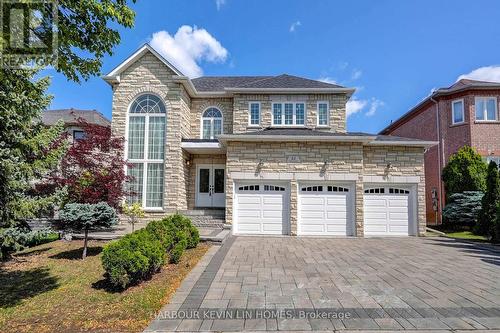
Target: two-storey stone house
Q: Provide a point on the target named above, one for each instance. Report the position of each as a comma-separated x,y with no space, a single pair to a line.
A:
465,113
272,152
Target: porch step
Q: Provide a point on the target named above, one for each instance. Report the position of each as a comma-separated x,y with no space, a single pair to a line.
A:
206,217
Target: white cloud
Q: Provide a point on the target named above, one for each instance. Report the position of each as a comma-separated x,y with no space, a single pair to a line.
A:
356,74
188,47
374,105
355,105
328,79
295,25
220,3
487,73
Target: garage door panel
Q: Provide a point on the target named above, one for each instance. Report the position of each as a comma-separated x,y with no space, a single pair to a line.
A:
322,212
386,214
248,199
260,211
375,202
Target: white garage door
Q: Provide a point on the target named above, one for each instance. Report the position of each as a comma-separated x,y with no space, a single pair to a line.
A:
386,211
324,210
260,209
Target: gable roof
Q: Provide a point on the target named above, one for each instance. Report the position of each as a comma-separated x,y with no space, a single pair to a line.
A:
71,116
459,86
214,86
114,75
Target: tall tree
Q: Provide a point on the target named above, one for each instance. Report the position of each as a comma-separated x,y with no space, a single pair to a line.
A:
487,215
86,31
465,171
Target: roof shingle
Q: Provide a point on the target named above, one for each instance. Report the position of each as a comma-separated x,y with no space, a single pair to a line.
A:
71,116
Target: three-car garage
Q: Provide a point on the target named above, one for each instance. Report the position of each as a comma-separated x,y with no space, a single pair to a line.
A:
322,209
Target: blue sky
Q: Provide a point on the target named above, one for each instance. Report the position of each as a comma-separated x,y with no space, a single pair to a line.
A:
394,52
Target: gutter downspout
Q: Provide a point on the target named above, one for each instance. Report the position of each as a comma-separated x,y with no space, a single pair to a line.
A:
440,159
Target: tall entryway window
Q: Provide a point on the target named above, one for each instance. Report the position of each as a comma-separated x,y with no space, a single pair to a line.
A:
211,123
146,150
210,185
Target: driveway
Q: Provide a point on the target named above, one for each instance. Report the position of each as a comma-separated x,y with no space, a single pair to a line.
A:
292,283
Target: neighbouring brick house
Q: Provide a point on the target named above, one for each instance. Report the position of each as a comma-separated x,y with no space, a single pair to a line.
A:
71,117
270,153
464,114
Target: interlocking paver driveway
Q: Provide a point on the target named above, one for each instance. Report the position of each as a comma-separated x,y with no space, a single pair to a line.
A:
382,283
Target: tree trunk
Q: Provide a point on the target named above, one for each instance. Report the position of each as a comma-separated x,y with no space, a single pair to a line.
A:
84,255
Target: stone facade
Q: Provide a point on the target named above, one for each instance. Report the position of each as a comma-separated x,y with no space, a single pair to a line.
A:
336,104
341,159
352,163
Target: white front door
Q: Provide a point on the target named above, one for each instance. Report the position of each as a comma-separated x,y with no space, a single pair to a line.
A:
324,210
210,185
387,211
260,208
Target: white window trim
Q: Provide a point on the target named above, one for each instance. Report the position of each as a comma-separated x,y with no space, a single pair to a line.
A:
211,123
327,114
145,160
453,122
250,114
486,98
294,120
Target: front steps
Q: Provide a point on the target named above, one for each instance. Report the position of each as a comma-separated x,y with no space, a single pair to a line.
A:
206,218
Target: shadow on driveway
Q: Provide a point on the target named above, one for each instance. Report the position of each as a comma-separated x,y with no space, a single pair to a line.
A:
486,252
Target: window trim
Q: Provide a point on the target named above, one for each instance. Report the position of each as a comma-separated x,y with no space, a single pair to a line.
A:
212,137
78,131
294,116
485,113
327,114
145,161
250,114
453,122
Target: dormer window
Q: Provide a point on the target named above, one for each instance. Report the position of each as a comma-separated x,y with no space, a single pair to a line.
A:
211,123
289,114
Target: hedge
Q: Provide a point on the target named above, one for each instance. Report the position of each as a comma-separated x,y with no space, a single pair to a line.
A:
142,253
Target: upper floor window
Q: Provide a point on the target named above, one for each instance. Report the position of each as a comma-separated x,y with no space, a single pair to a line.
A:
486,108
211,123
323,114
78,135
457,110
254,114
289,114
145,150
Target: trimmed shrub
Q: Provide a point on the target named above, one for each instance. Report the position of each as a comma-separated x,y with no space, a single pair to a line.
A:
497,223
463,208
179,247
136,256
133,258
17,239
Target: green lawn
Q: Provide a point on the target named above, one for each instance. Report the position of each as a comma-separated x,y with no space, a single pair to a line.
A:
466,235
49,288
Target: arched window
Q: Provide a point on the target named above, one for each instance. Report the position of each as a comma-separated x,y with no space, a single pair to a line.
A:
211,123
146,150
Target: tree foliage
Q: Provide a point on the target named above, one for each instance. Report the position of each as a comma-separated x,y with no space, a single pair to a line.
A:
93,170
465,171
85,217
463,208
28,150
487,216
87,30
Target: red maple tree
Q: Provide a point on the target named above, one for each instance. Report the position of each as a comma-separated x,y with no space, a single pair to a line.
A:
94,168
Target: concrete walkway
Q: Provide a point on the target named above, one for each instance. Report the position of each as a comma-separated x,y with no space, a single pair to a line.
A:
328,284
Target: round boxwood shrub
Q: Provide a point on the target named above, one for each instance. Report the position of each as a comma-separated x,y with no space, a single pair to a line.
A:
179,247
183,223
133,258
